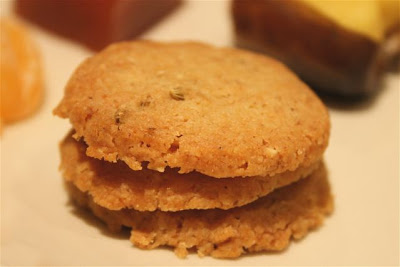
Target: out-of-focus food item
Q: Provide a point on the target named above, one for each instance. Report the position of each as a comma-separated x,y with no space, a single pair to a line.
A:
215,150
21,72
96,23
340,47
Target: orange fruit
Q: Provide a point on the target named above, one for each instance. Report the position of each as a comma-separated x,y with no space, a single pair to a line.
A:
21,83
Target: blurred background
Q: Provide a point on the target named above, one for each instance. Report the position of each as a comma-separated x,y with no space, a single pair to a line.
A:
347,51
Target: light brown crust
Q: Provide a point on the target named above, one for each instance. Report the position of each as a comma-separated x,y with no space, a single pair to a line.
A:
242,114
267,224
115,186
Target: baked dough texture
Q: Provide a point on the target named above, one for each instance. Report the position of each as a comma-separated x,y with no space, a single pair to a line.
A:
222,112
155,125
267,224
115,186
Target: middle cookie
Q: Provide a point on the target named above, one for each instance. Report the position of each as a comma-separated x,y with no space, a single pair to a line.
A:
115,186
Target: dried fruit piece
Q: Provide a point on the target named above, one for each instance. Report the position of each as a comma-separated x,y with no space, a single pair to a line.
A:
21,83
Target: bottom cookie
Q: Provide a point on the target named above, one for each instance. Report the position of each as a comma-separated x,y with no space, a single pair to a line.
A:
267,224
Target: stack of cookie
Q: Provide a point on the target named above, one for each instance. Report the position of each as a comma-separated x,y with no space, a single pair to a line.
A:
194,146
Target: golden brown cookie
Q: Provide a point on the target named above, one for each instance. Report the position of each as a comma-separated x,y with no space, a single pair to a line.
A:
115,186
267,224
222,112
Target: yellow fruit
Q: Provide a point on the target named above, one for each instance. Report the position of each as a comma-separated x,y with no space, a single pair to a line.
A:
21,83
370,18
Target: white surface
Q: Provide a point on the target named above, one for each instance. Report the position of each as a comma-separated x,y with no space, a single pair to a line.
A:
38,227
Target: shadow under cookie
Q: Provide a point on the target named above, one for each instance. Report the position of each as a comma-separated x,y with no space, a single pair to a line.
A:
267,224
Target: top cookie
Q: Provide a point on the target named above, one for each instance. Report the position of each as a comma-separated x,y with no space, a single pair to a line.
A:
223,112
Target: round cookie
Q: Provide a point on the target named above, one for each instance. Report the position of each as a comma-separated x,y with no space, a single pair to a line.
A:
222,112
115,186
267,224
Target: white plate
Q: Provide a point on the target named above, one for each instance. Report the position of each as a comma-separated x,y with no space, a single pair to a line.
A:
38,227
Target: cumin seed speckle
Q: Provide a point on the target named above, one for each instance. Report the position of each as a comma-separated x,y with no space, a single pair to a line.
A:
177,94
